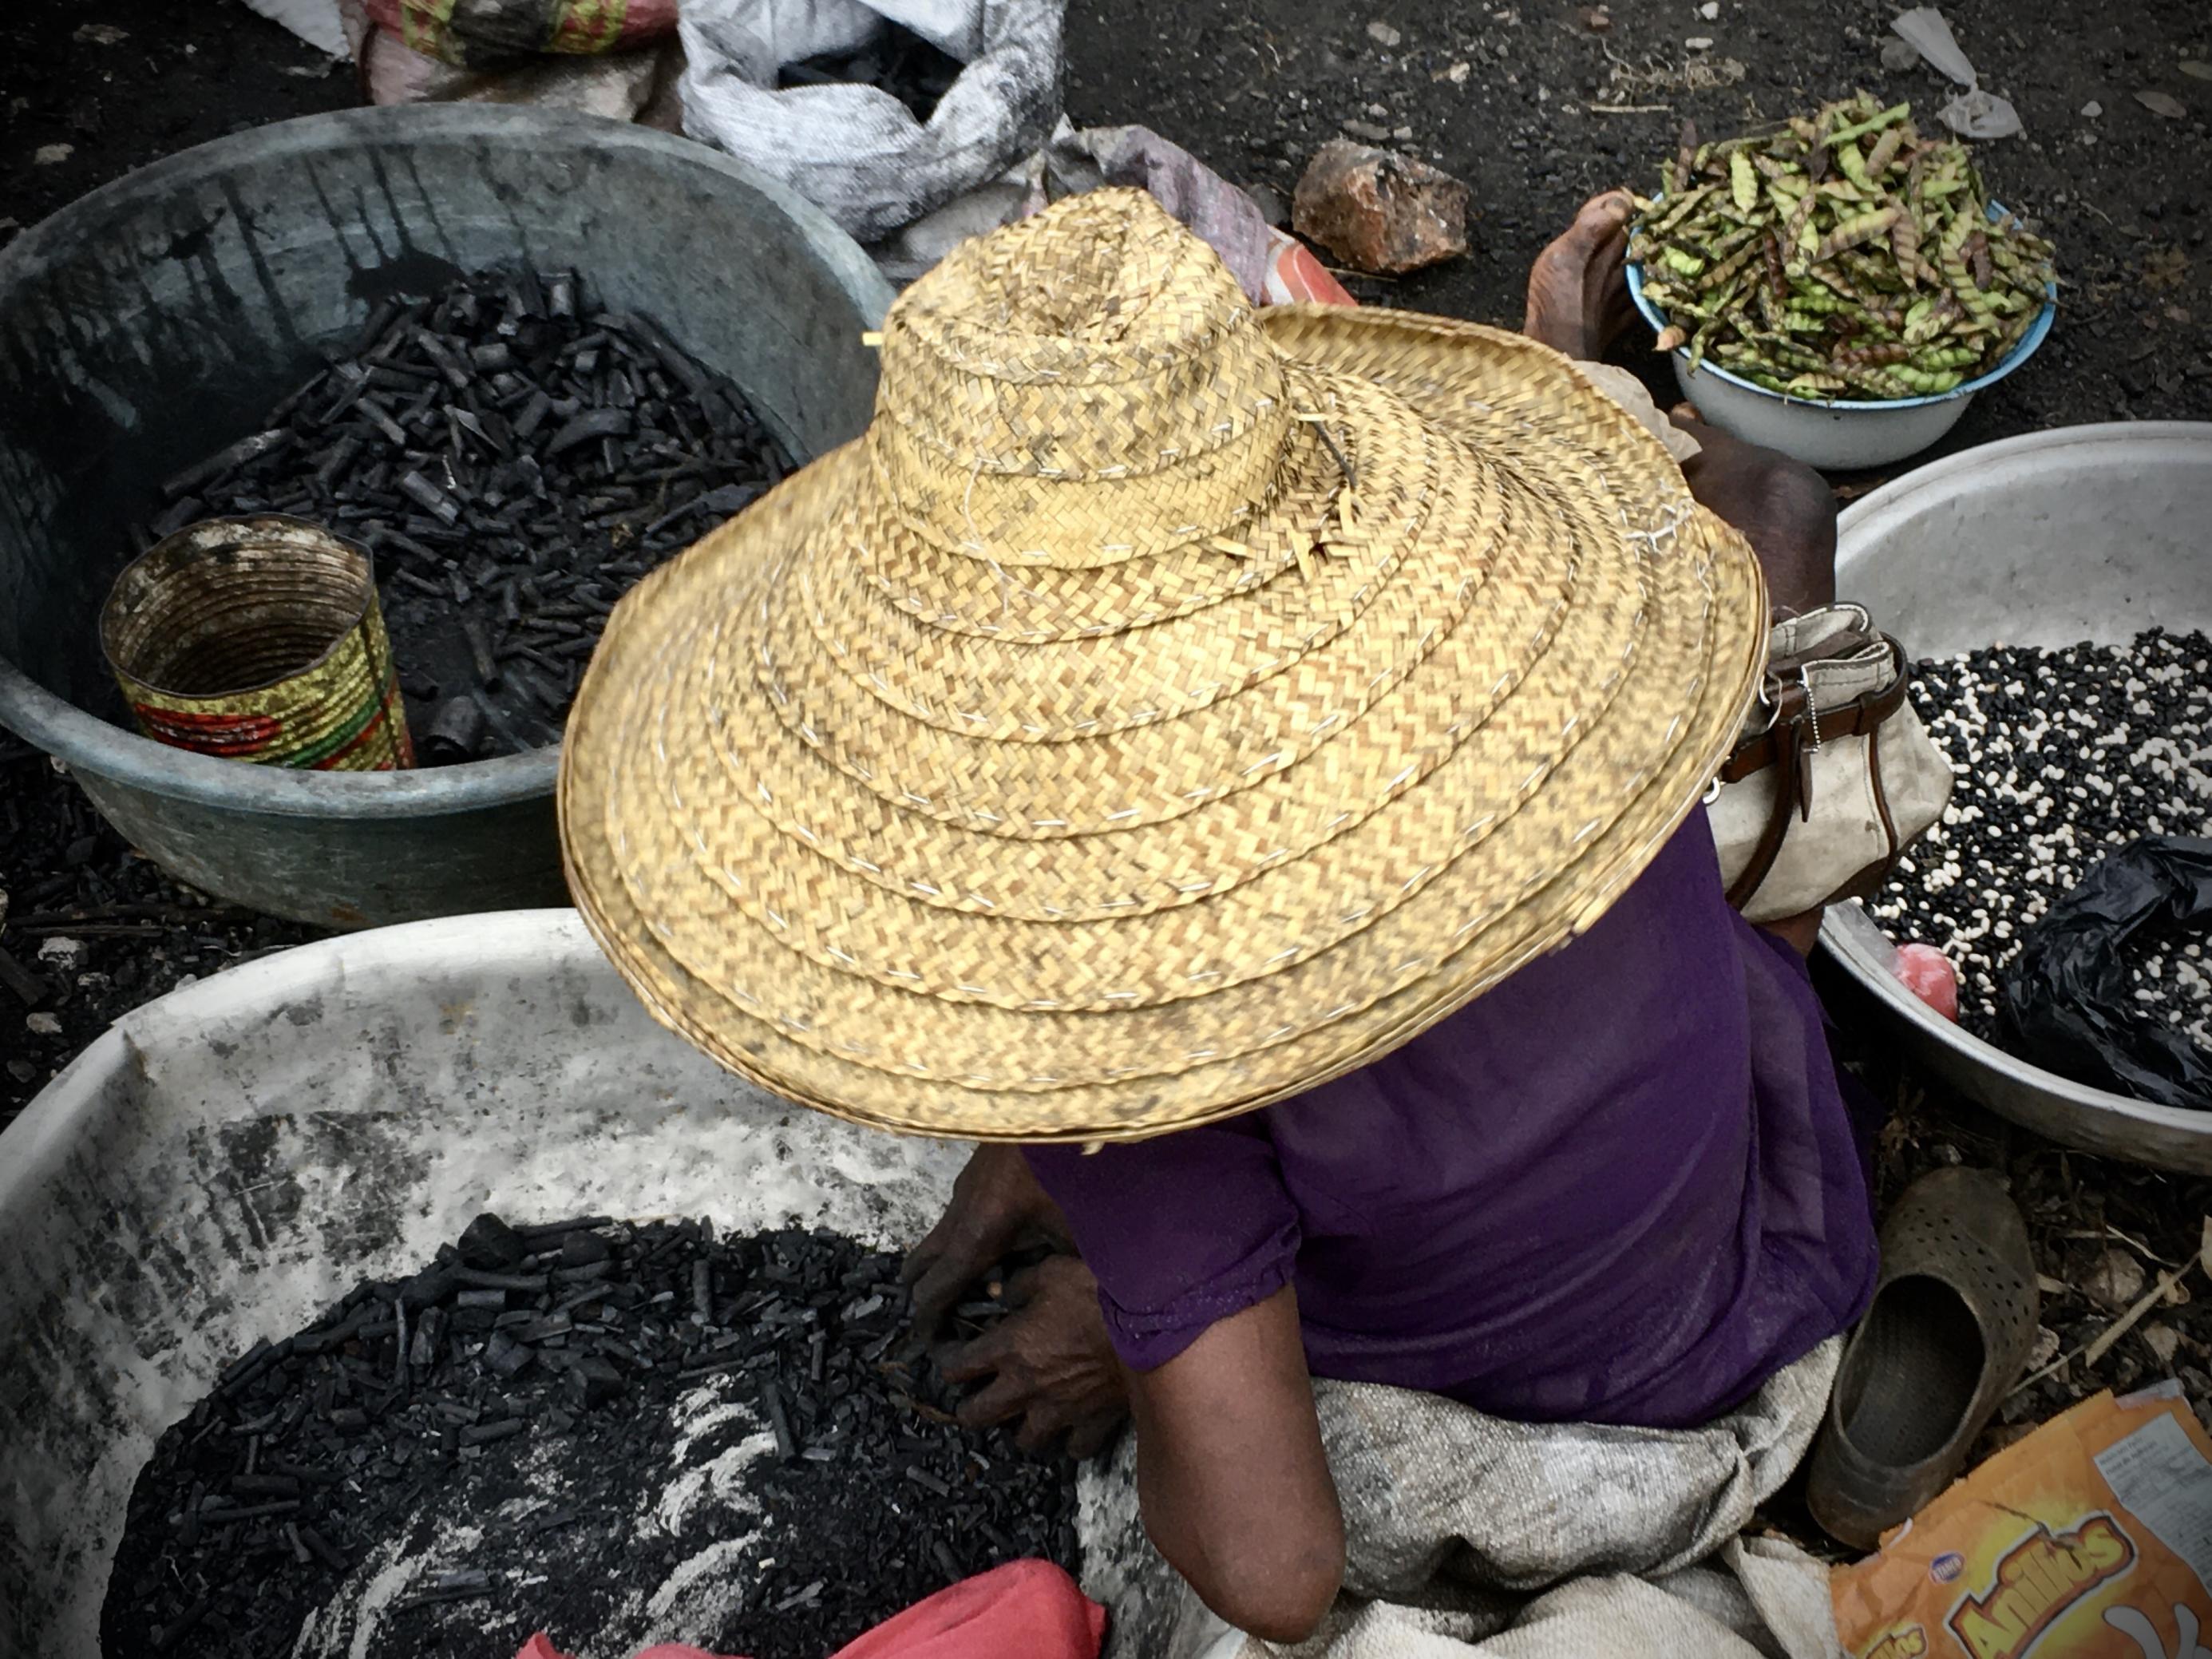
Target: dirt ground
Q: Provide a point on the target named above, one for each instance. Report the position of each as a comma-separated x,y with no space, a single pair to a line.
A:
1533,107
1537,112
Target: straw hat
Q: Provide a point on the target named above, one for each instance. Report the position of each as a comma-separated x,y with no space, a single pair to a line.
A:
1164,707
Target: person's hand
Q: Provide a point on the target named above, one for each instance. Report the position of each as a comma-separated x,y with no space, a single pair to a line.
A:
1050,1364
996,1208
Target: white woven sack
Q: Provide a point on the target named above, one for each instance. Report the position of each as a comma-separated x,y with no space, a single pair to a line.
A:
856,152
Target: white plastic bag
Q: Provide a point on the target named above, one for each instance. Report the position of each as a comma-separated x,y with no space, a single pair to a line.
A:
855,151
1973,113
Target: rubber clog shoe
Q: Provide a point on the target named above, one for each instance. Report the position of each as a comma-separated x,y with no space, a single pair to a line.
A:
1951,1327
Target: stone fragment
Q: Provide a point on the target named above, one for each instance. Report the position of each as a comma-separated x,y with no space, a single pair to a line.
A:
1378,211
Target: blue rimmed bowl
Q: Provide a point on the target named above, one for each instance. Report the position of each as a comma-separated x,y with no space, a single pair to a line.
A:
1832,434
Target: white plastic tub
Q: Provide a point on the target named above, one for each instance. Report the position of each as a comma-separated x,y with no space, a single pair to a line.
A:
229,1160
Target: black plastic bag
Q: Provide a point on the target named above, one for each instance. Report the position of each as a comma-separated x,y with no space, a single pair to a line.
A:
2066,1001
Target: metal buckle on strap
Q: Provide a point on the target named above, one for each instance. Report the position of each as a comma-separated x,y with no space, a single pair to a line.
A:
1770,700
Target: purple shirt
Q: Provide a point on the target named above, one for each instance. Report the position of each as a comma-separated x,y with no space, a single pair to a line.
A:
1622,1187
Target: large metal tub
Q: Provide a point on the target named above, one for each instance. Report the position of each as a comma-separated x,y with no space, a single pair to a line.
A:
226,1161
2091,532
149,320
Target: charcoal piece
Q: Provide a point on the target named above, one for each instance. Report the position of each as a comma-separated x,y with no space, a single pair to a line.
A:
485,1434
223,1515
561,296
592,1381
477,1278
380,319
432,1285
29,988
323,1550
250,1365
457,373
488,1244
226,460
580,1249
167,1636
264,1486
429,497
336,460
787,1446
429,1338
188,509
390,429
702,1308
532,415
506,1356
596,423
402,378
543,689
480,651
456,731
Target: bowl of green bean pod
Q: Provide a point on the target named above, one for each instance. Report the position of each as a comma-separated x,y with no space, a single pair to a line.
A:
1839,287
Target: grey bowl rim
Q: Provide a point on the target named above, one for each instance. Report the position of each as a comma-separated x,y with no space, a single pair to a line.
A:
82,740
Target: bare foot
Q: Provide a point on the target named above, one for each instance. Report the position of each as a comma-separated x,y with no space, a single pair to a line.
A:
1578,286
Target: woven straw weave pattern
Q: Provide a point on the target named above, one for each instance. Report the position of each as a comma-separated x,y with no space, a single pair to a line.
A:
1165,707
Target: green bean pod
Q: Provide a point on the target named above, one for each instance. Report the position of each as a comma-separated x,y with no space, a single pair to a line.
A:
1856,232
1889,117
1743,181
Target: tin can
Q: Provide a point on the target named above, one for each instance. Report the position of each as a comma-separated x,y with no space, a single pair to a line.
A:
260,640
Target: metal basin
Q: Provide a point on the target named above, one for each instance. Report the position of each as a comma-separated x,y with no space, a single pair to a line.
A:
226,1161
2091,532
147,320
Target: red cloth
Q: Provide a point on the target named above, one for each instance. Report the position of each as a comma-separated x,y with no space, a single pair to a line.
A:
1029,1609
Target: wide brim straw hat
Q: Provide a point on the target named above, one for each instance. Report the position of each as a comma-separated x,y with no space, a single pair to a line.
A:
1165,706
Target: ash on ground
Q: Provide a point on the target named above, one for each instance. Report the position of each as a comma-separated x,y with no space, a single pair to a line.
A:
616,1433
2061,755
513,456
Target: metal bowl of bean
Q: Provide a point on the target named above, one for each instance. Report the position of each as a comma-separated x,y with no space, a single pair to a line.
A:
2053,591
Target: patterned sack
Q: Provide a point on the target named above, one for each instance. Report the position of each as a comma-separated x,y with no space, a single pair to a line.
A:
479,33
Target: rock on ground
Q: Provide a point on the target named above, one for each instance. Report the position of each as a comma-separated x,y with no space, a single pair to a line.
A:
1379,211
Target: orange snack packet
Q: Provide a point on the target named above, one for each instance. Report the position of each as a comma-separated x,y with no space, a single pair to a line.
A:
2090,1539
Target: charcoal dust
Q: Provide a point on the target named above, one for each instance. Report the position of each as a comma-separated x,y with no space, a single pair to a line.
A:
898,62
513,456
610,1431
89,930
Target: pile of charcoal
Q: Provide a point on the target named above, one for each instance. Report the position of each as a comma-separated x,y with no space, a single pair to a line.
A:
513,456
2061,755
614,1433
898,62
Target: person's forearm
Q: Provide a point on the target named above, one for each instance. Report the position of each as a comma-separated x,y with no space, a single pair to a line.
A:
1231,1476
